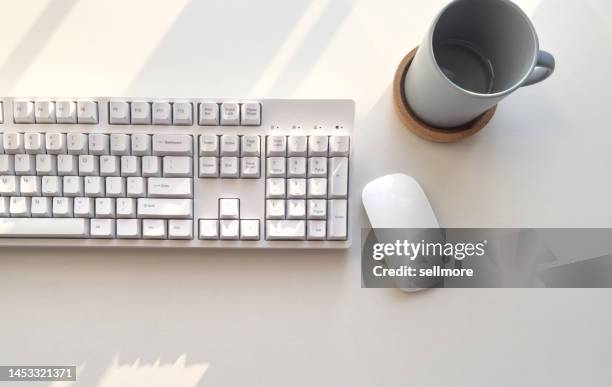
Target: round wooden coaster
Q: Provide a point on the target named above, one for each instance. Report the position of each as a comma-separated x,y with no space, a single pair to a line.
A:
422,129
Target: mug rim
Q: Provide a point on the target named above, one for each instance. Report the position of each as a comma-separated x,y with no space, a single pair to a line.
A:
509,90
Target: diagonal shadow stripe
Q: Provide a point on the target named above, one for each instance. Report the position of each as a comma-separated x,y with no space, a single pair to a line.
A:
22,57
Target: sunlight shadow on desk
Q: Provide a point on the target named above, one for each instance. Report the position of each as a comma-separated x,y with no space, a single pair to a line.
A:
207,44
24,54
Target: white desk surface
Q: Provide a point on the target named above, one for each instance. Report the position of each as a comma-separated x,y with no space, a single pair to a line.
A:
158,318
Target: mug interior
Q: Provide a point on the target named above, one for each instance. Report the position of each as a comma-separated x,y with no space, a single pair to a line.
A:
484,46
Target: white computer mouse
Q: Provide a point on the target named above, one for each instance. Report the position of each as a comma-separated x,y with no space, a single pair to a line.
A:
398,202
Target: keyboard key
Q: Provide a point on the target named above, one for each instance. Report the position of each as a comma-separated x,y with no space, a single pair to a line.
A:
250,114
136,187
73,186
99,144
317,146
249,167
276,167
4,207
249,146
13,143
44,112
316,230
34,143
89,165
105,208
52,186
209,113
297,146
338,178
317,188
30,186
230,145
20,207
55,143
296,209
162,113
154,229
119,112
339,146
296,167
7,165
9,185
275,209
209,167
46,165
115,187
109,166
94,186
296,188
249,229
172,145
286,230
180,229
165,208
41,207
182,113
337,221
208,229
65,112
63,207
317,167
77,143
87,112
275,188
120,144
141,145
317,209
229,229
23,112
130,166
67,165
229,209
129,229
230,114
83,208
25,165
44,228
151,166
276,146
229,167
174,166
159,187
141,113
102,228
126,208
209,145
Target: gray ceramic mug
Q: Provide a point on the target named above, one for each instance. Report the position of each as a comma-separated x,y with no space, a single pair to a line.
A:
476,53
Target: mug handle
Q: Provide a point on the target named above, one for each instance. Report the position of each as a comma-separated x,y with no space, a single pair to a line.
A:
545,67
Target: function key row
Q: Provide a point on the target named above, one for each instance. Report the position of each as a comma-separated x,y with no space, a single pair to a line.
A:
55,112
181,113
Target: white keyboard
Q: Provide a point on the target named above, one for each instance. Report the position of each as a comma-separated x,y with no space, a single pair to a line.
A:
175,172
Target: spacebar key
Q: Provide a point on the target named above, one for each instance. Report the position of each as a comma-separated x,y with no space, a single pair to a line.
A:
285,230
44,228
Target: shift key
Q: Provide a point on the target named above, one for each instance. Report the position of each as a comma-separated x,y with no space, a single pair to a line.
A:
165,208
